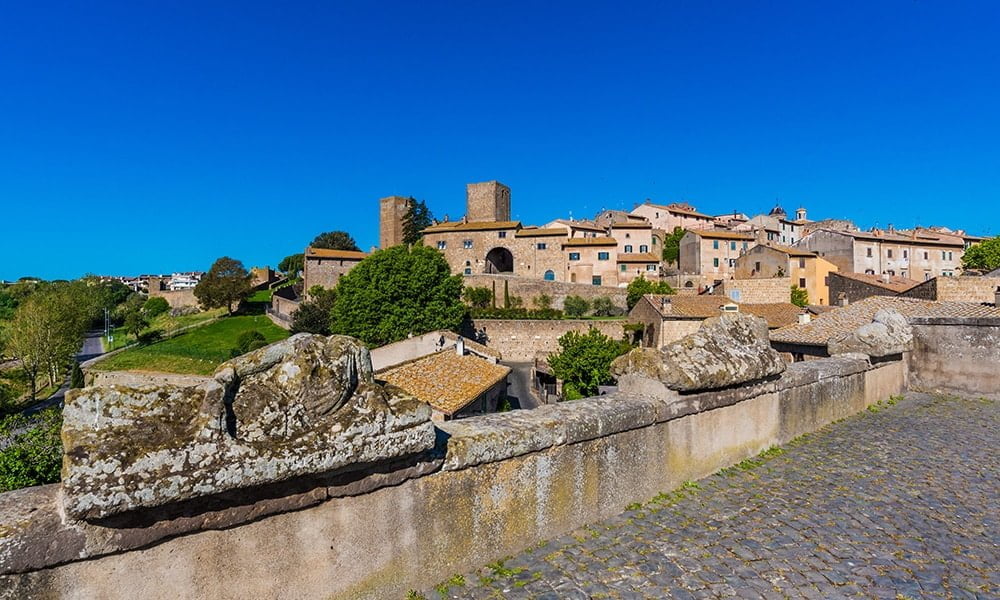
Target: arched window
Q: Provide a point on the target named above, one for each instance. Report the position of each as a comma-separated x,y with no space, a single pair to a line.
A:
550,276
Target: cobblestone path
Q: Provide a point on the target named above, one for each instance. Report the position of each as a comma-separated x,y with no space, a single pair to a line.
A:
902,501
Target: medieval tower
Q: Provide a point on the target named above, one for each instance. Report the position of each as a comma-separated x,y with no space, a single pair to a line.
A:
487,201
392,211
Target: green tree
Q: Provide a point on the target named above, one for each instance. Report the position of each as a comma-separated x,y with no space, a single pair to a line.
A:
640,286
417,218
76,376
542,302
575,306
604,307
226,284
584,361
983,256
800,296
335,240
292,264
672,246
477,297
155,306
33,455
396,292
313,315
8,304
135,322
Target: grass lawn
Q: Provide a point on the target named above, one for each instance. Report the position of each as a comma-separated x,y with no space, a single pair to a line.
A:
195,352
261,296
164,323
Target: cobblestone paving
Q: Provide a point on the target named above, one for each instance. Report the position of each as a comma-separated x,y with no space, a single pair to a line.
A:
902,501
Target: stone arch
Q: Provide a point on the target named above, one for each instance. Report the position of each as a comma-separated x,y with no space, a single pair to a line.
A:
550,275
499,260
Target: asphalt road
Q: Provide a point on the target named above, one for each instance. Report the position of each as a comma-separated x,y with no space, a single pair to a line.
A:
519,385
92,348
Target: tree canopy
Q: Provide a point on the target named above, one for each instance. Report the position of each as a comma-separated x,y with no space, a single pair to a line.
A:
396,292
226,284
313,315
983,256
292,264
417,218
640,286
334,240
672,246
584,361
800,296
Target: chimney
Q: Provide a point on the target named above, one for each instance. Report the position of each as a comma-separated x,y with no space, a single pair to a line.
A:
842,299
665,304
890,229
885,278
804,318
460,346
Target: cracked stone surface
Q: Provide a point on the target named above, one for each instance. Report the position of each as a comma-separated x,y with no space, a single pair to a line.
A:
902,501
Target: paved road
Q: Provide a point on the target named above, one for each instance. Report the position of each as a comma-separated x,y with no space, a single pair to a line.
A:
520,384
92,348
900,503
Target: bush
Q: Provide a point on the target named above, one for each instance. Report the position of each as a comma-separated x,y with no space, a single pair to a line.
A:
800,296
76,376
640,286
34,456
604,307
516,313
477,297
248,341
584,361
576,306
313,315
542,302
155,306
149,337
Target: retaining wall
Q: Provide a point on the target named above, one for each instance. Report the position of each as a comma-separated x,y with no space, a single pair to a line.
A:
956,355
528,289
521,340
494,485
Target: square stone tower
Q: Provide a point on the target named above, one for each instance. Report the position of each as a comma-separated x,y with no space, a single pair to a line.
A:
487,201
392,210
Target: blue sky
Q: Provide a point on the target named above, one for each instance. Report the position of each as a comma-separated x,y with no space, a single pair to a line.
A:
153,137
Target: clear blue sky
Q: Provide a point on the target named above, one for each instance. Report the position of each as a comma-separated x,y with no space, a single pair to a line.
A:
141,137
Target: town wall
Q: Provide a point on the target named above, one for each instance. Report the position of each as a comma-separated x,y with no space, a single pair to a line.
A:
495,485
522,340
529,289
956,355
756,291
956,289
175,298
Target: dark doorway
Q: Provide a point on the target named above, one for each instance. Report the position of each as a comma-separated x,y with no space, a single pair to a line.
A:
499,260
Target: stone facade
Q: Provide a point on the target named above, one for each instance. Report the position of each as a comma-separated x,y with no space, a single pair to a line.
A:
325,267
805,269
667,217
915,257
524,340
712,253
530,289
175,298
756,291
487,201
392,211
956,289
846,287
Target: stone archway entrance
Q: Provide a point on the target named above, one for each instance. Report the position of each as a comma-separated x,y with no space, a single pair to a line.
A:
499,260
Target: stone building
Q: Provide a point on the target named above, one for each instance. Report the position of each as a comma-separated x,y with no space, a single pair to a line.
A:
712,253
807,270
592,260
325,267
776,225
487,201
847,288
677,214
956,289
392,212
607,218
917,255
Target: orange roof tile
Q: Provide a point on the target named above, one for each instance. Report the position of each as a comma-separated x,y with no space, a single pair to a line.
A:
472,226
328,253
591,241
541,232
639,257
722,235
445,380
777,314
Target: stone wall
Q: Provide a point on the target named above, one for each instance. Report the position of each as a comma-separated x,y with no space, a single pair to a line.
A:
956,289
494,485
521,340
854,290
175,298
529,289
756,291
956,355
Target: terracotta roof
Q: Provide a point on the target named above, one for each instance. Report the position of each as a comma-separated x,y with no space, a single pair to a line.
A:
848,318
722,235
589,226
328,253
680,211
472,226
445,380
639,257
777,314
791,251
895,283
918,239
632,225
541,232
591,241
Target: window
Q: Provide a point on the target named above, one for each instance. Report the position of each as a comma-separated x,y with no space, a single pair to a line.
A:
732,245
802,263
744,245
715,244
628,248
467,244
643,248
541,246
623,267
906,254
869,253
550,276
756,266
574,256
802,283
442,245
888,253
944,255
596,280
468,271
793,240
715,262
925,256
949,258
651,267
902,273
628,235
502,234
602,256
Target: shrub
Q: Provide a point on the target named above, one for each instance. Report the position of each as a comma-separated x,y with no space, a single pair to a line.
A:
800,297
604,307
76,376
34,456
576,306
248,341
149,337
542,302
584,361
155,306
477,297
640,286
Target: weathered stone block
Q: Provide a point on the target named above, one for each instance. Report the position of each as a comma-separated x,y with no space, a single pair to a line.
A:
887,334
727,350
303,406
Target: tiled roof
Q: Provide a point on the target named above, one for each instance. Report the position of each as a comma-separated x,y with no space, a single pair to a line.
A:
541,232
639,257
895,283
920,238
591,241
472,226
445,380
722,235
632,225
680,211
791,251
328,253
588,225
845,320
777,314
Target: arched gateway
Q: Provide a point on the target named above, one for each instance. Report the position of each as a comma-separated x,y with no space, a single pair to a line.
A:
499,260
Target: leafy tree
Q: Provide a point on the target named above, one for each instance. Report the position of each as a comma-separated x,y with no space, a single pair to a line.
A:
604,307
800,296
542,302
226,284
33,455
396,292
672,246
983,256
575,306
417,218
8,304
292,264
76,376
640,286
155,306
478,297
335,240
584,361
313,315
135,322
